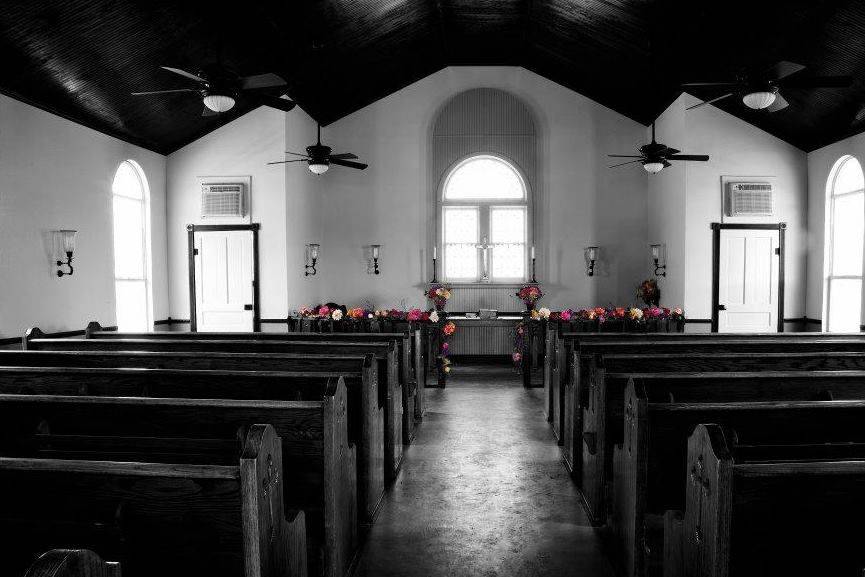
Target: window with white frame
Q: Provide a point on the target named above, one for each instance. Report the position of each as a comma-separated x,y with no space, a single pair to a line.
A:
131,248
845,234
485,222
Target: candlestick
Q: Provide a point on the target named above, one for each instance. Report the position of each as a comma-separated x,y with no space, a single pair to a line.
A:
435,249
533,253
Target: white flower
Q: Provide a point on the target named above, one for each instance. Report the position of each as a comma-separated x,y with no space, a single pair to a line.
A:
434,317
369,316
544,312
336,315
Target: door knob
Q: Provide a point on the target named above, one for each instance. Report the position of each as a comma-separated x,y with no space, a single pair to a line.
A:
247,307
722,307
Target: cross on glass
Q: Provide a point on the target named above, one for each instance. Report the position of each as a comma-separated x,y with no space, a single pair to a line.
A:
485,247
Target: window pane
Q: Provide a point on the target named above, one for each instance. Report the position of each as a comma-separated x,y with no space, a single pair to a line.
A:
484,177
461,230
845,303
848,215
508,233
131,298
128,238
127,182
849,177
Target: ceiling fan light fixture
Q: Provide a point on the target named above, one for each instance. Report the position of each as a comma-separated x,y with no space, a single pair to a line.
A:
219,102
318,167
758,100
653,167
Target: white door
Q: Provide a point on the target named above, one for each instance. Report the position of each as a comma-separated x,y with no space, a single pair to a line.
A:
748,281
223,281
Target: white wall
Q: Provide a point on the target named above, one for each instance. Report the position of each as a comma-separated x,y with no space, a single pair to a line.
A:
55,174
736,148
820,163
585,203
282,201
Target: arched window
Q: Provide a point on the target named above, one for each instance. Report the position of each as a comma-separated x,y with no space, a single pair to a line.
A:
132,248
845,232
485,221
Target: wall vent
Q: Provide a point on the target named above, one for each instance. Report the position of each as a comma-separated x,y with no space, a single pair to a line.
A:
750,199
223,200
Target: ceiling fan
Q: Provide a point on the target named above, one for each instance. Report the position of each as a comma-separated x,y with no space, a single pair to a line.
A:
655,156
762,92
220,90
319,158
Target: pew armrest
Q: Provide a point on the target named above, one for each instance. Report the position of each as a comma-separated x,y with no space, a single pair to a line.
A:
296,539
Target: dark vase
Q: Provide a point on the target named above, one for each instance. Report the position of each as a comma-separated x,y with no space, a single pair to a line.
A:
530,306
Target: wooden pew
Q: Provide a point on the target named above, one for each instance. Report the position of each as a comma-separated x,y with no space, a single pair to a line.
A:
575,397
385,354
565,384
215,514
412,387
763,511
72,563
314,433
650,463
365,414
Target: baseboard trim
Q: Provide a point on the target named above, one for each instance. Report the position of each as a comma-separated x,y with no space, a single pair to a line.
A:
170,321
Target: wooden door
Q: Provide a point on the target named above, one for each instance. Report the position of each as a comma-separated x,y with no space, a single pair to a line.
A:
224,274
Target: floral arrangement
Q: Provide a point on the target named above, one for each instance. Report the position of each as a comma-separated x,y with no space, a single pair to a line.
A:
439,295
530,294
519,345
649,292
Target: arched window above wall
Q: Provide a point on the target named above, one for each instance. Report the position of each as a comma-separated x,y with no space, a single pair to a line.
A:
845,234
484,170
131,213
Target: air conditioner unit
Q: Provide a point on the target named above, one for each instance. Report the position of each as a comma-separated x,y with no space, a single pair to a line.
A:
750,199
223,200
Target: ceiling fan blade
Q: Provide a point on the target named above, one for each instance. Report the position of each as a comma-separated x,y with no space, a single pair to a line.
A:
344,156
780,103
712,101
208,112
275,102
783,69
297,154
671,151
731,83
148,93
819,82
189,75
287,161
698,157
624,163
625,156
259,81
348,163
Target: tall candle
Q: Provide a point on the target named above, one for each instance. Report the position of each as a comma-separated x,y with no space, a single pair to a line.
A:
533,253
434,253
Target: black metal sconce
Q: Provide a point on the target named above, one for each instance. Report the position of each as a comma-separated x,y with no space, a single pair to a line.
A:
533,266
375,249
591,255
311,259
657,252
67,239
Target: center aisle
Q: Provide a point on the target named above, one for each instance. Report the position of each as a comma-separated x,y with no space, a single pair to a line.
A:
482,491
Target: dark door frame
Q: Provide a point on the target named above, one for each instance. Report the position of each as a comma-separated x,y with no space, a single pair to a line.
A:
191,229
717,227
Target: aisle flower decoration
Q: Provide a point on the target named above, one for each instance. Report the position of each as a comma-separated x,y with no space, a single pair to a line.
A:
649,292
439,295
530,295
519,345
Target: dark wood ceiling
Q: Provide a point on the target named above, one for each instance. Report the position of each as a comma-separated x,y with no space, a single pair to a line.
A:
81,59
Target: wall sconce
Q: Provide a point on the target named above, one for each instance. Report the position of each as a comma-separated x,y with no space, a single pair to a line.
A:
591,254
311,259
375,250
67,241
659,257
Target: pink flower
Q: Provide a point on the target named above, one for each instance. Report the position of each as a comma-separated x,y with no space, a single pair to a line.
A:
324,310
414,315
445,346
566,314
517,357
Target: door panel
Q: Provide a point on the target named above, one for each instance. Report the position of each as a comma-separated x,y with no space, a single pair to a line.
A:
748,281
223,280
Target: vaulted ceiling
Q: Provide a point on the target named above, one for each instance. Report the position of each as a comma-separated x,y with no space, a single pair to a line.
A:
81,59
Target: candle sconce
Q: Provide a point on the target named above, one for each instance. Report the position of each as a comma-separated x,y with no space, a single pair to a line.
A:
591,255
311,259
659,257
67,241
375,251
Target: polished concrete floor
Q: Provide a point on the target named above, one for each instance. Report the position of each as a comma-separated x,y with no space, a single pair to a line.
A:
482,491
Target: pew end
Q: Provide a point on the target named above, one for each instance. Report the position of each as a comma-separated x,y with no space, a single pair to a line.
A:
91,328
72,563
673,535
29,335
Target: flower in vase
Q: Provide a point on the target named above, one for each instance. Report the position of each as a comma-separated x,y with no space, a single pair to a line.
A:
434,317
336,315
635,314
544,313
323,311
449,329
517,357
566,315
414,315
